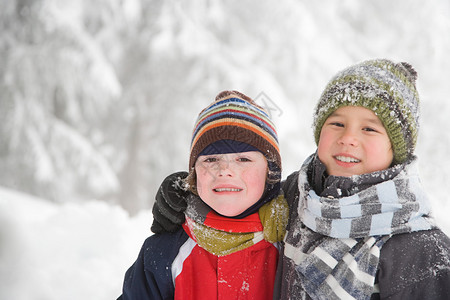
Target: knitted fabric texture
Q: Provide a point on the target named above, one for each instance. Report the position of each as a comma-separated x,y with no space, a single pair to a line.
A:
234,116
342,264
394,206
386,88
222,236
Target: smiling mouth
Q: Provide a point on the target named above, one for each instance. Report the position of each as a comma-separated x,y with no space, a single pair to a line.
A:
227,190
347,159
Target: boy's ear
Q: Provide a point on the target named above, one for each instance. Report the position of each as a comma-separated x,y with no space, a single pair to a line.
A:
191,182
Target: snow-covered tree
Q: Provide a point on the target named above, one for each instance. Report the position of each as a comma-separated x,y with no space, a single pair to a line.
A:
98,97
56,91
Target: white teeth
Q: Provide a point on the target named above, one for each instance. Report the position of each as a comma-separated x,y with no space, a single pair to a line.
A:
227,190
347,159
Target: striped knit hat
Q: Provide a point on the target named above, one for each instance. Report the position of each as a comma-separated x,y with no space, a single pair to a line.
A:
234,116
386,88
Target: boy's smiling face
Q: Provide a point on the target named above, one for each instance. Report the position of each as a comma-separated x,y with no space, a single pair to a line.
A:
231,183
353,141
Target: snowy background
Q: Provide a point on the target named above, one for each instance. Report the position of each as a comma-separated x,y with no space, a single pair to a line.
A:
98,100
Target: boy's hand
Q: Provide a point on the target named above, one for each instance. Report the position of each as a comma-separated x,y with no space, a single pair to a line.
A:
170,204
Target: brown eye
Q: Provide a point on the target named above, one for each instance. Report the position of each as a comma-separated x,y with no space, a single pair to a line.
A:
369,129
210,159
243,159
338,124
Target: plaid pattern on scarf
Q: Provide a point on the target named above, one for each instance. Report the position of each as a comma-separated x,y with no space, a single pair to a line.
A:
343,263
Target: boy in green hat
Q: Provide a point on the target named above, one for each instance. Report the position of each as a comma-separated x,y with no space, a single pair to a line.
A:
360,224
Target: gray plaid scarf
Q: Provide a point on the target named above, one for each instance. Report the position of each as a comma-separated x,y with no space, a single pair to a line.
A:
343,263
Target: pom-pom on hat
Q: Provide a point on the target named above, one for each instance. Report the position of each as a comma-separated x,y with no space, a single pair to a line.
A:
386,88
236,118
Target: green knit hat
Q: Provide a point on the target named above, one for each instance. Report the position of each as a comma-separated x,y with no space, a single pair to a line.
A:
386,88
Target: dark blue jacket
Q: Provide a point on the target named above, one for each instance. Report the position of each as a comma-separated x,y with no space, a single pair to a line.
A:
150,277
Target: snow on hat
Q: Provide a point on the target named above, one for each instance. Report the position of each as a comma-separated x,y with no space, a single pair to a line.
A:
234,117
386,88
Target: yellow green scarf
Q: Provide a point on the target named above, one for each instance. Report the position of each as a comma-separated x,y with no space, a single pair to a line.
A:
273,217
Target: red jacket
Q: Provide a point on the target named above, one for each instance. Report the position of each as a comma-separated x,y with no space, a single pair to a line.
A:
245,274
172,266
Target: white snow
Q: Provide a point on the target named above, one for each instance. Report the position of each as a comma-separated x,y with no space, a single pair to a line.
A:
65,251
73,248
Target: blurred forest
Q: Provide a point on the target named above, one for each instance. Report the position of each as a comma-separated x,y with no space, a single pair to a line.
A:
98,97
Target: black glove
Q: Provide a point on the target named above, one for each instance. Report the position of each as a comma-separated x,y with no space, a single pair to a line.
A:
170,204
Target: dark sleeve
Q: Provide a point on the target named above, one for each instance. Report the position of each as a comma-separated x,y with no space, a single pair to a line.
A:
415,266
291,193
150,277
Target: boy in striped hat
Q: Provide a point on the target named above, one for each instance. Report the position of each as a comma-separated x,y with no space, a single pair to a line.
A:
234,215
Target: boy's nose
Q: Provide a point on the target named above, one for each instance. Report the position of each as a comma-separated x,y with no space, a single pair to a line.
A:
348,138
224,168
